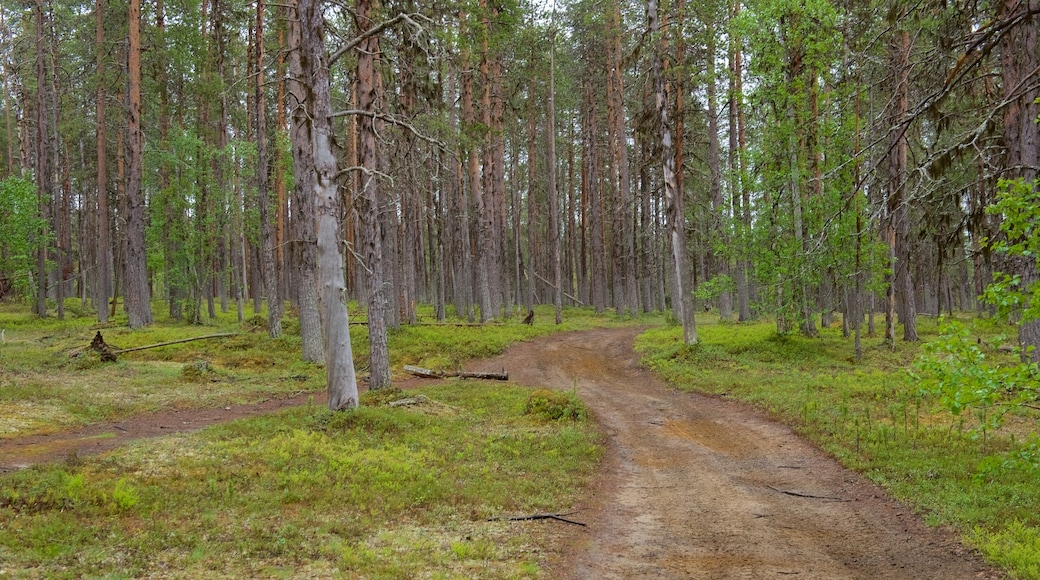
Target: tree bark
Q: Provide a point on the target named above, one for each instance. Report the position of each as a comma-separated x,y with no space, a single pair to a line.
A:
1019,64
898,204
269,262
594,211
673,198
469,122
736,153
554,196
718,206
309,62
136,291
368,201
625,292
304,246
42,166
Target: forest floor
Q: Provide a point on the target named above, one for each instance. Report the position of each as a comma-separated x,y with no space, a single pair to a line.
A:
691,486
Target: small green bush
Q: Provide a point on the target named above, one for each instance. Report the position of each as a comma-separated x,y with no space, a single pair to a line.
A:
555,406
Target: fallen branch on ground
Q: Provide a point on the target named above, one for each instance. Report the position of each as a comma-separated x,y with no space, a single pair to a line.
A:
432,374
558,517
108,354
807,496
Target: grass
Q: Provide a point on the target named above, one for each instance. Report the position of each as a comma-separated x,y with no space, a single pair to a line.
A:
49,381
872,417
384,492
388,492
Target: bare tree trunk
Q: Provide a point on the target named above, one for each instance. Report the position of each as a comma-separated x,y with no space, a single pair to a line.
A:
594,211
368,201
60,184
43,190
304,246
462,256
626,293
673,197
268,262
808,325
8,117
309,63
469,121
1021,134
898,208
718,206
532,207
138,298
554,196
736,167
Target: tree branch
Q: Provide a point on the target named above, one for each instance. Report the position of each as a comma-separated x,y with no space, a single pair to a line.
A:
402,17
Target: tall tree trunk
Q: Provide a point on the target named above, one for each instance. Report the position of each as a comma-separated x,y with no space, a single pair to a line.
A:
673,197
314,155
138,296
1021,134
8,117
469,121
736,156
269,263
280,190
304,246
532,207
718,206
369,200
554,196
898,203
458,207
60,214
594,212
43,167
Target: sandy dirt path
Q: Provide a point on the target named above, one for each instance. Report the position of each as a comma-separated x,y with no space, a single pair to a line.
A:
699,487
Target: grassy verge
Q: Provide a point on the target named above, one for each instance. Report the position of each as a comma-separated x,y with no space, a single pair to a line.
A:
49,381
384,492
871,416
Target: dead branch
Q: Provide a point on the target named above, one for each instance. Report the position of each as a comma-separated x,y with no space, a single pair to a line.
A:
558,517
168,343
807,496
108,354
553,286
433,374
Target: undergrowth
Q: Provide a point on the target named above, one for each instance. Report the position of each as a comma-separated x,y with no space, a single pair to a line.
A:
382,492
50,380
956,470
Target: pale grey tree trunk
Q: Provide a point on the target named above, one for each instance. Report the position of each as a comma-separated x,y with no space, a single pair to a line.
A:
682,298
309,63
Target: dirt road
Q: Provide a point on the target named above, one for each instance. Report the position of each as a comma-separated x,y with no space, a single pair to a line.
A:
698,487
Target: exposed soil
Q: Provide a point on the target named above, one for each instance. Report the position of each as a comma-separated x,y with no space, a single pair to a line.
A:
21,452
701,487
691,487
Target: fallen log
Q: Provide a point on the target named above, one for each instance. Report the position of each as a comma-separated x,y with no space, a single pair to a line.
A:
168,343
108,354
433,374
